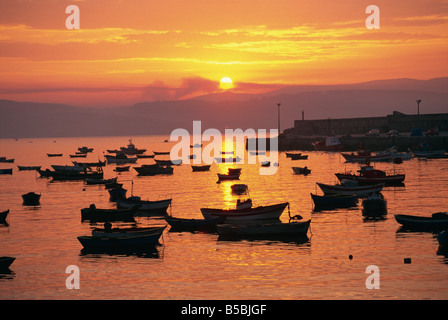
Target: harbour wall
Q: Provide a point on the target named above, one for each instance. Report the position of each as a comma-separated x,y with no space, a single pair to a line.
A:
396,121
377,143
353,143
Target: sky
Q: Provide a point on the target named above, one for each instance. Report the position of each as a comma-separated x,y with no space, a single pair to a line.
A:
130,51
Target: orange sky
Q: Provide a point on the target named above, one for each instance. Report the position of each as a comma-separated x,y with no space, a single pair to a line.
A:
129,51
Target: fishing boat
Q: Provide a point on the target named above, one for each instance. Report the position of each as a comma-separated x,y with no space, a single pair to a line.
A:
54,155
5,263
3,216
153,169
333,201
184,224
200,168
300,170
6,171
298,228
3,159
330,143
24,168
93,213
246,212
437,221
120,157
364,155
122,238
350,187
84,150
130,149
31,199
374,204
369,175
145,205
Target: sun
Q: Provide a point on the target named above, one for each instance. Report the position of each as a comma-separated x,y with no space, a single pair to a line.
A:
226,83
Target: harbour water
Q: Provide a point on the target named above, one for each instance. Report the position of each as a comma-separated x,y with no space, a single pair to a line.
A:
200,265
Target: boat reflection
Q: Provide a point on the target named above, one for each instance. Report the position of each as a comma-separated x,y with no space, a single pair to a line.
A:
146,252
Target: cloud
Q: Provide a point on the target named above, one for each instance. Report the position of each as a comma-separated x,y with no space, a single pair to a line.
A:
189,87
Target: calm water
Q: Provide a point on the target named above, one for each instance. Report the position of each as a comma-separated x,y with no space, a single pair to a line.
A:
198,265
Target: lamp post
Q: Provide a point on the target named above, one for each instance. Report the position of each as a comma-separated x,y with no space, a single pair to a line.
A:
418,111
278,116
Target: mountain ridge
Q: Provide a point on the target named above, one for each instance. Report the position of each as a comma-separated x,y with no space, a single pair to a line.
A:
368,99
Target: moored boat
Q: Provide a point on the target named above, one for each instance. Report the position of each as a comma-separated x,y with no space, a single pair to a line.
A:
122,239
130,149
23,168
300,170
31,199
369,175
175,162
5,262
145,205
80,155
93,213
122,169
333,201
153,169
120,157
3,216
6,171
90,164
351,188
228,176
54,155
246,213
265,229
200,168
75,168
437,221
184,224
365,155
374,204
298,156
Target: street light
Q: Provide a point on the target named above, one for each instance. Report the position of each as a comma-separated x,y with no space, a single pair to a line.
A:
278,116
418,111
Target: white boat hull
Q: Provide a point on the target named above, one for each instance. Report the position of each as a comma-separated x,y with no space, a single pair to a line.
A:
234,215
